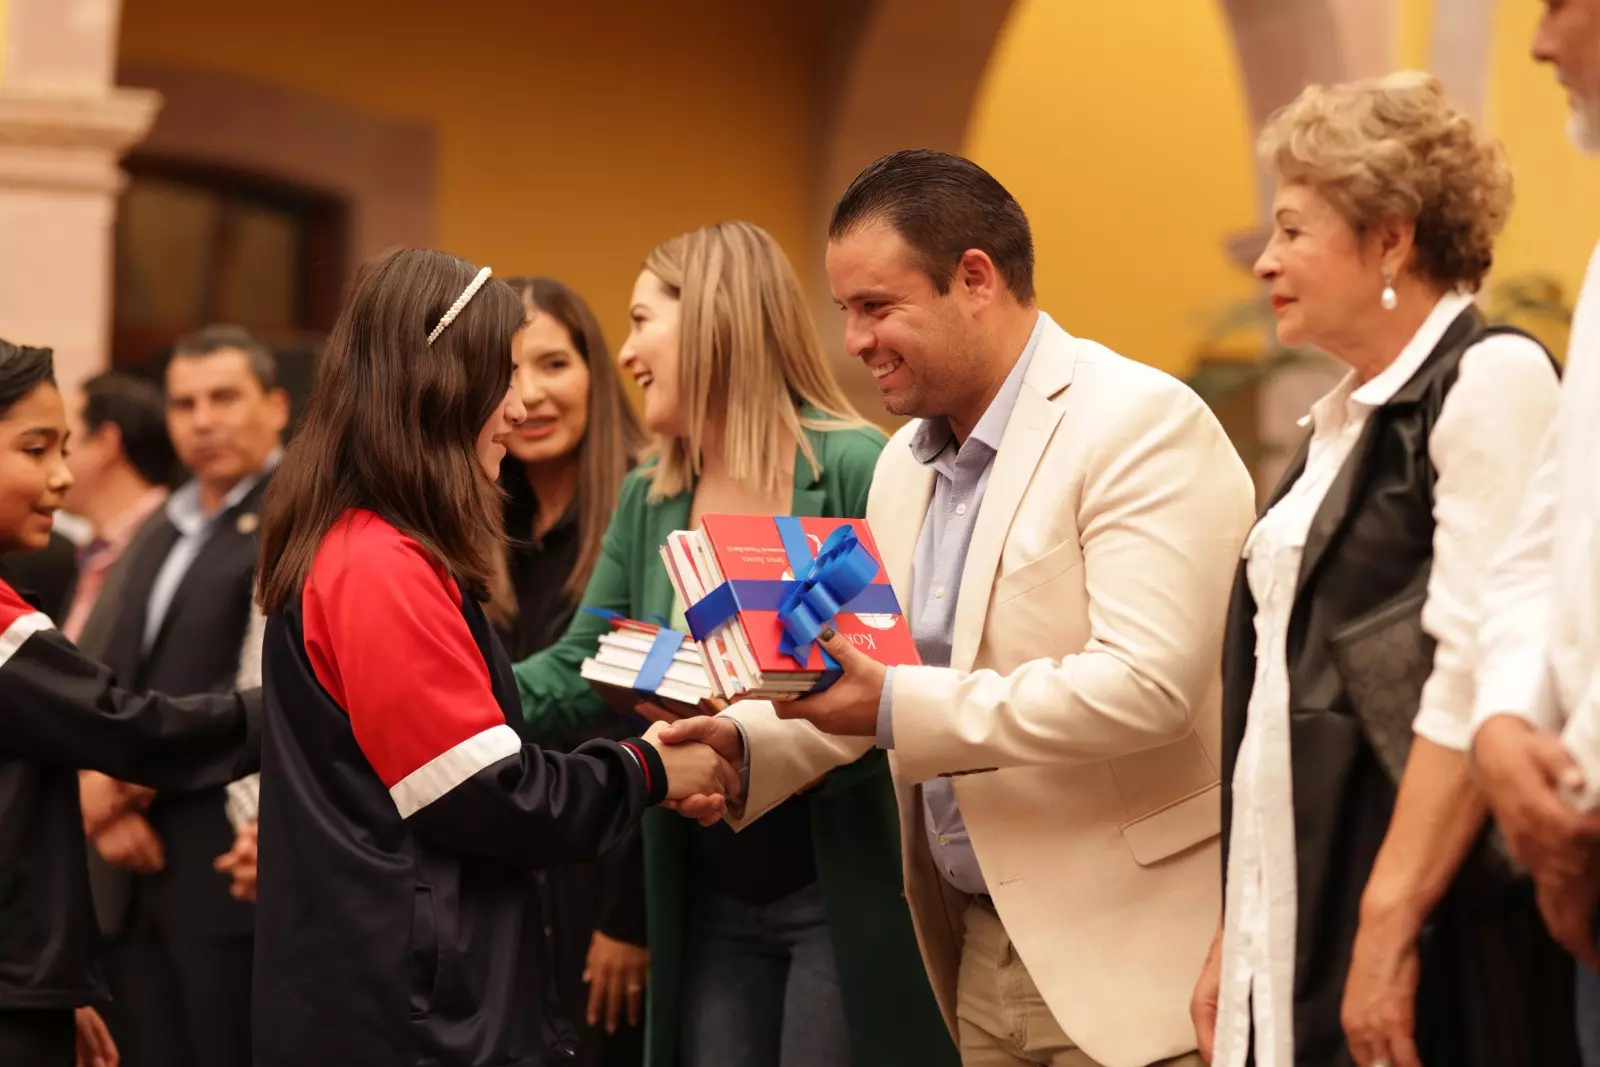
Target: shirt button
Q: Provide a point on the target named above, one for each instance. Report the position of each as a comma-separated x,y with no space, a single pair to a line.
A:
939,593
944,839
961,509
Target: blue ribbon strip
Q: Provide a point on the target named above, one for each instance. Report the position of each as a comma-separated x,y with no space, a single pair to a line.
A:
838,579
657,660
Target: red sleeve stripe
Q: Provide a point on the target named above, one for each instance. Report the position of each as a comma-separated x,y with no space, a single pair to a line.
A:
638,757
18,632
444,772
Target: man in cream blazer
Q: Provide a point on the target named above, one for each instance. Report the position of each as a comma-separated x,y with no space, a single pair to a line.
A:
1061,529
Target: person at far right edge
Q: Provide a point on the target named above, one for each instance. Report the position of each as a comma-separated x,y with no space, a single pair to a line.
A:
1368,917
1536,721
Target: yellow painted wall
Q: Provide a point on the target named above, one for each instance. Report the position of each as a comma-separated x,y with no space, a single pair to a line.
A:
1557,218
1413,33
1122,130
572,137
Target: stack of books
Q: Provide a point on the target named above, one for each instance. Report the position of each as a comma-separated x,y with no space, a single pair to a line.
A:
743,656
637,662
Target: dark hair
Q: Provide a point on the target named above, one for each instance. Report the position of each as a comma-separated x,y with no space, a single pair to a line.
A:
611,442
22,370
941,205
210,340
392,423
135,407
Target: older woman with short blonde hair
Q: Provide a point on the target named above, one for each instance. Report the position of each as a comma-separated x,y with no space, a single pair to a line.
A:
1369,918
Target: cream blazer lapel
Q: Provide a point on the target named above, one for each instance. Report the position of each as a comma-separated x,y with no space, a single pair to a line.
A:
1032,423
900,501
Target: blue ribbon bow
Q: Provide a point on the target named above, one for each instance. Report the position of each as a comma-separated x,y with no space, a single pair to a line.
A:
838,579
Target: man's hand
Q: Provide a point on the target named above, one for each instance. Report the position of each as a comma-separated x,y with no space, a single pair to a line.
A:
1380,992
1522,773
1568,906
723,737
848,707
240,862
129,842
616,973
94,1045
693,769
103,799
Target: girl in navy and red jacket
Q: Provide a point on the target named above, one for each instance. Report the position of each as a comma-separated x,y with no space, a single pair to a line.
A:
401,814
60,711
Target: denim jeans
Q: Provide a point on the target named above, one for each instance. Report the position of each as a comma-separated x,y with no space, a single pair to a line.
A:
761,989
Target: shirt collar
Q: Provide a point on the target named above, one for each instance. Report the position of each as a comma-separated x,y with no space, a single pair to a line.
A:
185,512
1381,388
934,435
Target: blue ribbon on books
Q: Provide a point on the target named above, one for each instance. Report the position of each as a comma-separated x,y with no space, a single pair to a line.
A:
658,659
838,579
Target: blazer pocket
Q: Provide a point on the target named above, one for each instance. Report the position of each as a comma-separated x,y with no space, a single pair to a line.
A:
1175,827
1060,560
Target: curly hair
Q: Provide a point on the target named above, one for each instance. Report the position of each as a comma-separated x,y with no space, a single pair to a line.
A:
1395,147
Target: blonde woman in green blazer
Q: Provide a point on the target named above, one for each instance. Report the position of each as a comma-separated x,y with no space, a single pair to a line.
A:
789,944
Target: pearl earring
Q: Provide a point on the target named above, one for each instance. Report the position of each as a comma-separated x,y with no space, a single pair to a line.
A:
1389,299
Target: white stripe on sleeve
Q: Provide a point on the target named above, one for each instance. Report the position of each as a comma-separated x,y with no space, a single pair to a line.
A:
444,772
19,631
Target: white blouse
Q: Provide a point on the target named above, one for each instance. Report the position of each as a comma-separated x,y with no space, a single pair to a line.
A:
1483,448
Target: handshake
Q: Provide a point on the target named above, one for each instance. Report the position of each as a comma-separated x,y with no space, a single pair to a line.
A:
703,756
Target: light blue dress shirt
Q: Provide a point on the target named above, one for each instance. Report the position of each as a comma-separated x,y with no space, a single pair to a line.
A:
961,475
194,528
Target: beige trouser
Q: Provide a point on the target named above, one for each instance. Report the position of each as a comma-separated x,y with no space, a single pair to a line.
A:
1003,1019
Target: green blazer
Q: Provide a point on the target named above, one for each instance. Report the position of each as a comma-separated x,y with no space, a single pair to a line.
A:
889,1006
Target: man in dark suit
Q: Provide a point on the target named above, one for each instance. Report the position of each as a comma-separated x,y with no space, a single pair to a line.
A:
181,959
121,461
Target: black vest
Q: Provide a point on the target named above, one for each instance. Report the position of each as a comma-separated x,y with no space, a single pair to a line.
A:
1365,568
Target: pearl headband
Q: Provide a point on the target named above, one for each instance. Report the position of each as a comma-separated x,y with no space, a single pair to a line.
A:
461,301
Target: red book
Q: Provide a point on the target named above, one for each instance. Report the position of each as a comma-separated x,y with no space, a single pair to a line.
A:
749,546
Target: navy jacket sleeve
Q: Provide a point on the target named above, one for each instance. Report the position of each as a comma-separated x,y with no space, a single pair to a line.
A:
386,638
59,706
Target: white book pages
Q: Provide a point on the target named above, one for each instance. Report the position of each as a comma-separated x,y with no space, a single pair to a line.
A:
642,643
594,671
705,560
713,649
690,673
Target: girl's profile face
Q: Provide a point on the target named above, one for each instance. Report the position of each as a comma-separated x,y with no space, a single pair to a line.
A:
33,468
505,418
650,354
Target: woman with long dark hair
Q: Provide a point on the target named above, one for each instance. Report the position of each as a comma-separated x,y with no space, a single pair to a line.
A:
401,814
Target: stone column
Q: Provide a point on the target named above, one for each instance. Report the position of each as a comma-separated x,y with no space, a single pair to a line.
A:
64,127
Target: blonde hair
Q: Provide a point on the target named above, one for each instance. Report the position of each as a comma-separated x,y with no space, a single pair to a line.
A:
748,349
1395,147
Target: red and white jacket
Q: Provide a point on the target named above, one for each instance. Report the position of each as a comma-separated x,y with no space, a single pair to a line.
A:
401,818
